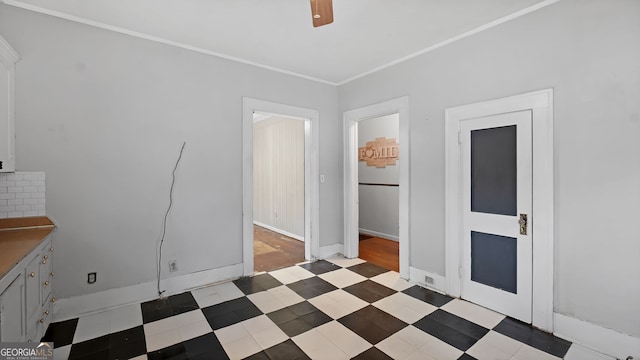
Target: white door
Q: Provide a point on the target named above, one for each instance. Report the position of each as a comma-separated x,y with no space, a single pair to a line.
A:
496,212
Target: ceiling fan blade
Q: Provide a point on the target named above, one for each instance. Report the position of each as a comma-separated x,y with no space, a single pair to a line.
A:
322,12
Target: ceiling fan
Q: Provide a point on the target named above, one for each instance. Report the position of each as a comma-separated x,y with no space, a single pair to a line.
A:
322,12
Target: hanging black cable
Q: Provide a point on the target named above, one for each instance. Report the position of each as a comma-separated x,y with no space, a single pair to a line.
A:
166,214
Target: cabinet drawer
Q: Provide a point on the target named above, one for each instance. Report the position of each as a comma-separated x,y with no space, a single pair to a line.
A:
32,285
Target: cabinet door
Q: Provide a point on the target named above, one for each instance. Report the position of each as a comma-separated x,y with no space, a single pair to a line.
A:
46,273
12,312
32,283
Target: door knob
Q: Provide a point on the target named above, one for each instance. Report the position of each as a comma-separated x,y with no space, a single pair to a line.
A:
523,224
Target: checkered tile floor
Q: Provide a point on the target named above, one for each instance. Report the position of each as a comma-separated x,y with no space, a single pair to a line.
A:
330,309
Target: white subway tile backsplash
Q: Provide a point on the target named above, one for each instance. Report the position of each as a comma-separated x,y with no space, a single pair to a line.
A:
22,194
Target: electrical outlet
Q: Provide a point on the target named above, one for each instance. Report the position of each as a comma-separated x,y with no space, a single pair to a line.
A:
91,277
173,265
428,280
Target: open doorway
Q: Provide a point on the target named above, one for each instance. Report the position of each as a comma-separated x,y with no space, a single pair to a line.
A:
352,121
253,108
379,190
278,191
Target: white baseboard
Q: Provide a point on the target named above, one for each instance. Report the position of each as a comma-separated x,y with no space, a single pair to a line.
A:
379,234
279,231
68,308
600,339
330,250
417,276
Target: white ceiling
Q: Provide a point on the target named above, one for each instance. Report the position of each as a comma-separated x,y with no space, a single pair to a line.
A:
366,34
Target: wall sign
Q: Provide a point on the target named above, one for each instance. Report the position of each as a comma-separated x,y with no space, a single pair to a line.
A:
379,152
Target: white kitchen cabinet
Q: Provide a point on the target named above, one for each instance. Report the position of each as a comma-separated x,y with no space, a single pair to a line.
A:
26,304
8,58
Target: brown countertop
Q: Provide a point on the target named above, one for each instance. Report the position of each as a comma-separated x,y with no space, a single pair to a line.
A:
20,236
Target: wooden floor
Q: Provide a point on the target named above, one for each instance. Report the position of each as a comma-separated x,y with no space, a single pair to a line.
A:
272,250
379,251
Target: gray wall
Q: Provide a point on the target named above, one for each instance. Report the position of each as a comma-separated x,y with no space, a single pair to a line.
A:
105,114
589,52
379,205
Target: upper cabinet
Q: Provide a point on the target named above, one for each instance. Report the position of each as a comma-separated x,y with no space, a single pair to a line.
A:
8,58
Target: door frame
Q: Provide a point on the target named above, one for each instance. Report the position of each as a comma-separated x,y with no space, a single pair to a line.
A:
351,118
542,222
311,175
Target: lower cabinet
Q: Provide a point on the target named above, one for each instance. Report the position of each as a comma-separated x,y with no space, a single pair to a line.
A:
26,304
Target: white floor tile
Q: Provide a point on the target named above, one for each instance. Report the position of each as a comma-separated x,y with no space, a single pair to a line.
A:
61,353
342,278
391,279
338,303
125,317
141,357
232,333
291,274
345,339
344,262
495,345
241,348
316,346
396,347
92,326
275,298
162,340
578,352
174,322
405,307
286,296
474,313
216,294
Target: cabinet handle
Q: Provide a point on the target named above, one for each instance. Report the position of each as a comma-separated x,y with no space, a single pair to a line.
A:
46,312
53,300
45,257
52,273
46,283
51,250
44,261
32,274
41,321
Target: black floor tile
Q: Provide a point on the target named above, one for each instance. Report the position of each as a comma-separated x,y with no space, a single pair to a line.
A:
173,352
464,326
372,324
369,291
368,269
163,308
533,337
258,356
426,295
299,318
320,267
61,333
230,312
98,348
249,285
466,357
205,347
312,287
372,354
129,336
287,350
127,350
445,333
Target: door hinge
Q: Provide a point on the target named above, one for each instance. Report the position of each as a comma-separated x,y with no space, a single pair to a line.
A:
460,272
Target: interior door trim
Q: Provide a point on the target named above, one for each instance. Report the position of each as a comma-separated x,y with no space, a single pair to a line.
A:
541,105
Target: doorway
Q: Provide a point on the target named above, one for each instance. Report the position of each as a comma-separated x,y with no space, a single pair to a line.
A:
352,119
499,236
278,179
379,161
309,120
